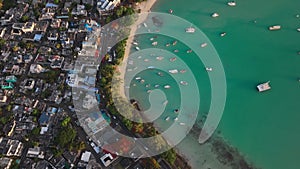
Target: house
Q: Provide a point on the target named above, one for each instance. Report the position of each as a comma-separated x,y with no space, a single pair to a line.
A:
29,84
85,157
5,162
36,68
79,10
7,85
11,79
35,153
10,147
28,27
107,159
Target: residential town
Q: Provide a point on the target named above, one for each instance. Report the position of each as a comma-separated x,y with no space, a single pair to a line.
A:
44,44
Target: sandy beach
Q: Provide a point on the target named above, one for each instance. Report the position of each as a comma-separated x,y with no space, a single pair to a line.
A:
144,7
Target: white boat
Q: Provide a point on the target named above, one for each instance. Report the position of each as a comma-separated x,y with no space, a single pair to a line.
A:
176,119
176,50
165,102
151,67
189,51
274,27
160,74
145,25
298,29
183,83
190,30
137,48
135,43
214,15
138,78
151,39
168,44
209,69
231,3
223,34
156,86
159,58
182,124
170,11
173,71
154,43
174,43
173,59
263,87
203,45
167,118
182,71
167,86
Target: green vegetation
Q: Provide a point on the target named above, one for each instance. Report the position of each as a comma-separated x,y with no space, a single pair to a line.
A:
66,136
170,156
7,4
36,131
2,42
24,18
65,122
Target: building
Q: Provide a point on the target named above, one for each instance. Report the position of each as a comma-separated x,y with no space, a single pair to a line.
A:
85,157
5,162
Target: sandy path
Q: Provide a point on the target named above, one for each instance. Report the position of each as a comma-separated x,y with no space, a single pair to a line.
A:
145,7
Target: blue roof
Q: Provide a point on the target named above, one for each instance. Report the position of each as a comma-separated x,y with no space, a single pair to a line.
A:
44,119
37,37
50,5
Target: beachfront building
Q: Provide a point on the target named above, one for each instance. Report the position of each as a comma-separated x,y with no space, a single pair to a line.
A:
105,5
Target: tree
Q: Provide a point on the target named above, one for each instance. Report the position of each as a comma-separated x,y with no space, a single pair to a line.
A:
25,18
36,131
66,136
66,121
170,156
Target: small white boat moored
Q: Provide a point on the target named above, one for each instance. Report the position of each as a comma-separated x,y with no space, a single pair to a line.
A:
231,3
274,27
183,83
203,45
214,15
167,118
209,69
173,71
167,86
137,48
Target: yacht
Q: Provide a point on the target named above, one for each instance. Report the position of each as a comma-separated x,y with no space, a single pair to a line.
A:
190,30
298,29
167,118
263,87
137,48
274,27
165,102
151,39
214,15
231,3
173,71
135,43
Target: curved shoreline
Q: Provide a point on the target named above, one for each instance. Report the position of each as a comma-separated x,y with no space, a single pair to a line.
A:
143,7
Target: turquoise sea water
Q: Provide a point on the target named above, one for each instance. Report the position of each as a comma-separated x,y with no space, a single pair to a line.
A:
263,126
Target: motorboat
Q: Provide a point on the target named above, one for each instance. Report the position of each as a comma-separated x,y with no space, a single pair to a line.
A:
209,69
170,11
137,48
203,45
176,119
167,118
173,59
274,27
154,43
231,3
168,44
182,124
222,34
189,51
167,86
183,83
182,71
159,58
174,43
190,30
173,71
214,15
